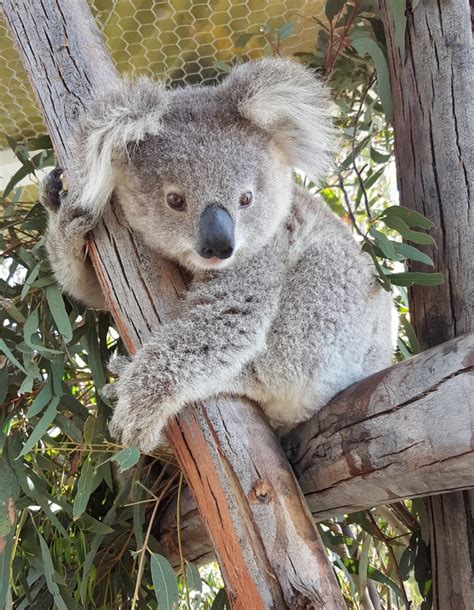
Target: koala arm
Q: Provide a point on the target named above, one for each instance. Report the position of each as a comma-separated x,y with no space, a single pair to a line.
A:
66,243
223,325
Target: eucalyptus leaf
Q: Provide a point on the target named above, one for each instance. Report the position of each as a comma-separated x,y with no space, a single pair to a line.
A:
286,30
126,458
385,245
58,311
221,601
412,253
397,223
6,350
49,574
17,177
412,218
410,278
165,583
352,566
397,9
41,400
333,8
243,40
410,333
193,578
364,562
85,485
41,427
368,46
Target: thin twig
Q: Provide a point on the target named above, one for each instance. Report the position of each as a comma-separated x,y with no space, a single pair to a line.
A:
142,551
354,164
348,206
180,548
385,539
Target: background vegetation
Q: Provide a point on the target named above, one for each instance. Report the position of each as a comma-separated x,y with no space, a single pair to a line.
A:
80,531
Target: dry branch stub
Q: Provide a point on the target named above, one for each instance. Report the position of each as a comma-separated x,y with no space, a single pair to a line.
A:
270,553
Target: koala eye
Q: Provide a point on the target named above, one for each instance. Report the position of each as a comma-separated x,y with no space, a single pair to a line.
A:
246,199
176,201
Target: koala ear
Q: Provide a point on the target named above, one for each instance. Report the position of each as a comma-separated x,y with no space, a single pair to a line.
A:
287,101
124,116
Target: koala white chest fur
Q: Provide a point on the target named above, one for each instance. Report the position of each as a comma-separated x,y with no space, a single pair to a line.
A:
284,308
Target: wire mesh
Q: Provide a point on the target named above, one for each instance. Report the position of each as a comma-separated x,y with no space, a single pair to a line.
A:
183,41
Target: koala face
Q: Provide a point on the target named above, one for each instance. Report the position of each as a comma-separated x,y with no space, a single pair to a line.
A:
205,196
204,173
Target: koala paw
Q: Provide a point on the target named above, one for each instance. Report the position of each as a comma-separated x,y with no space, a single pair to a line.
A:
72,219
141,411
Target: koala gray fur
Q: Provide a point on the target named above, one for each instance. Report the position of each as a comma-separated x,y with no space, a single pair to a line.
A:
295,314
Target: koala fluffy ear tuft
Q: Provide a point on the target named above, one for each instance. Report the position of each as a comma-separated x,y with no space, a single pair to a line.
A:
125,115
287,101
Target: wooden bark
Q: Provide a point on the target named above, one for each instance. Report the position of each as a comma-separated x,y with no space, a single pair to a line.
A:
388,437
269,551
432,90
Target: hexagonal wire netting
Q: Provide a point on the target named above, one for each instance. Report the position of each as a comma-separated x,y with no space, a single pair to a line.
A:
182,41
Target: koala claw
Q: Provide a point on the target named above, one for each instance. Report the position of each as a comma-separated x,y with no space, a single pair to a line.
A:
51,187
72,219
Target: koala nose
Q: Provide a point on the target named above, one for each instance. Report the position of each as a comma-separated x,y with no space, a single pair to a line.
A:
216,233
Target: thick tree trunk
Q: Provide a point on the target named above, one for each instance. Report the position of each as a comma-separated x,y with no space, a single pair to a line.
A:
433,96
386,438
269,551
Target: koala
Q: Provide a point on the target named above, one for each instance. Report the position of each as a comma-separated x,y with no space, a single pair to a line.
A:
284,308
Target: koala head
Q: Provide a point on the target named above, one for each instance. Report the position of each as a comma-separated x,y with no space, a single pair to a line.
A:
204,173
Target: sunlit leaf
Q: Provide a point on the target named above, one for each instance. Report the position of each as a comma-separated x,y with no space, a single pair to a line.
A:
410,333
412,218
353,567
412,253
364,562
397,223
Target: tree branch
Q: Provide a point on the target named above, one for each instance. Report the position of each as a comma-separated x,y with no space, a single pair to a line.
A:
391,436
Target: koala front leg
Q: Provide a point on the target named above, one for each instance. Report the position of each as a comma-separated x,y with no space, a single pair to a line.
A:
223,326
66,242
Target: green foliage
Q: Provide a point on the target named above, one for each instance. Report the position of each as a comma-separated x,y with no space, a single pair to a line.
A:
85,507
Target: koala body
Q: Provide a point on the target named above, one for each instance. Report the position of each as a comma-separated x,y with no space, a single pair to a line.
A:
284,307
